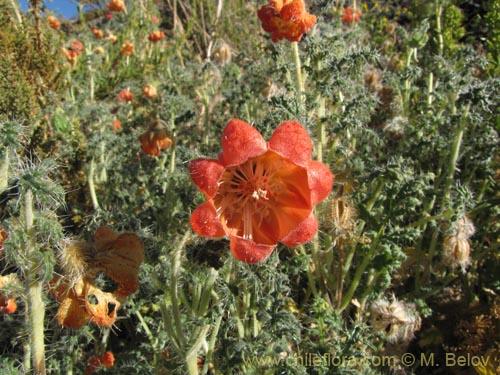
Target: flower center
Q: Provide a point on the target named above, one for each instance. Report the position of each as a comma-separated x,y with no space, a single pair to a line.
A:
263,198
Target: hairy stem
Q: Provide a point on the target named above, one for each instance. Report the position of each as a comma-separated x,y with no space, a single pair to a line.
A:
299,82
36,306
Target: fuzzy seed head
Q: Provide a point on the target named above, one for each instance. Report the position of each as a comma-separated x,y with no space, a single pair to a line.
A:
223,54
75,259
464,227
456,252
399,320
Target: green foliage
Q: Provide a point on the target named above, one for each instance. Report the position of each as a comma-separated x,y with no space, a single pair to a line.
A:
400,106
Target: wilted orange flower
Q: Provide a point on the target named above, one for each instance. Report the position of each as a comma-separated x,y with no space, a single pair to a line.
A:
117,125
156,36
351,14
260,193
149,91
116,5
106,360
154,140
8,304
125,95
108,16
128,48
3,237
286,19
53,22
117,255
98,33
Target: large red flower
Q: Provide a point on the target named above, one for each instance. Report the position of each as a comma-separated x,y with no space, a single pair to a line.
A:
286,19
260,193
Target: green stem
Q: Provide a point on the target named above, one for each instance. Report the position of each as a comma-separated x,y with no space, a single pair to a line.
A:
360,271
4,171
439,12
36,306
176,265
455,150
299,82
321,134
361,226
90,179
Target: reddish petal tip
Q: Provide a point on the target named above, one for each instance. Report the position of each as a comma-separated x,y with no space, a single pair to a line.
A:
248,251
204,221
241,141
205,174
292,141
320,181
303,233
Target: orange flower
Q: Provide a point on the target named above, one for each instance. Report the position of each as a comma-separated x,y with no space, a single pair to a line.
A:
154,140
286,19
7,303
117,125
108,16
106,360
53,22
117,255
149,91
125,95
156,36
260,193
116,5
76,47
128,48
98,33
351,14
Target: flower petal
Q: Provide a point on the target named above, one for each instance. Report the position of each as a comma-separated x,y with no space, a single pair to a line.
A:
72,312
206,174
249,251
291,140
241,141
103,236
303,233
205,222
320,181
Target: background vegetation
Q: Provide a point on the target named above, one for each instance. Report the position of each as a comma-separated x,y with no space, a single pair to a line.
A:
402,106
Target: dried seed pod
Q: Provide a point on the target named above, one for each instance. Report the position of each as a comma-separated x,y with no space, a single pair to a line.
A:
223,54
75,258
373,80
456,252
464,227
398,320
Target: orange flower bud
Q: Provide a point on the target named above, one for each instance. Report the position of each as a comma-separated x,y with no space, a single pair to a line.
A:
351,14
53,22
286,19
98,33
154,140
116,5
150,92
117,125
106,360
7,303
125,95
128,48
156,36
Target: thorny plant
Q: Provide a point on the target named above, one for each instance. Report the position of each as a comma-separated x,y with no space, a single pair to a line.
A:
400,100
